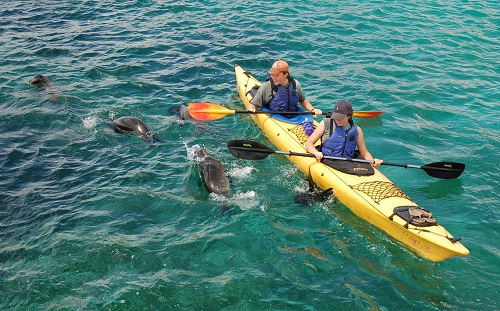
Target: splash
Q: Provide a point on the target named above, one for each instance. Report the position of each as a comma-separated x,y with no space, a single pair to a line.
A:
218,197
241,172
192,153
245,200
90,122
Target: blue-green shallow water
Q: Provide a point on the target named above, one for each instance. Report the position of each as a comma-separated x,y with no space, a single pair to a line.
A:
94,220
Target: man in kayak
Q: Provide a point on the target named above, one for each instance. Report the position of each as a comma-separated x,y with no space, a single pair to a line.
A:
281,92
339,136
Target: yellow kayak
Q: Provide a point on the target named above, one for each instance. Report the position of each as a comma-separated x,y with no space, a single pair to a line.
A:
374,198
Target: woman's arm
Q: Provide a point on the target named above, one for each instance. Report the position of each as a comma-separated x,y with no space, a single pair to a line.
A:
363,151
315,136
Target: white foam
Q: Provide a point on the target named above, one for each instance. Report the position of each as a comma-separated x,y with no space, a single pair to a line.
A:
245,200
90,122
241,172
192,153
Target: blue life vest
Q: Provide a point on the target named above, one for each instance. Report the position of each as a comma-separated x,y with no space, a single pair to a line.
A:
340,143
286,98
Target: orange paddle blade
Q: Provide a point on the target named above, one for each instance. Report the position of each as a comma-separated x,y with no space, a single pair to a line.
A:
367,114
207,111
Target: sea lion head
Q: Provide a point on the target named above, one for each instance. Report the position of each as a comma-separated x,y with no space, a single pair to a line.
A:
38,80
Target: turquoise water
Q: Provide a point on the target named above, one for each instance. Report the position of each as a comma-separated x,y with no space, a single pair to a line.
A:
94,220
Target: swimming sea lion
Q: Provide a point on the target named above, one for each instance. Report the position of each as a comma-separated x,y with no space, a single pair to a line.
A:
313,195
44,84
39,80
213,174
131,124
182,111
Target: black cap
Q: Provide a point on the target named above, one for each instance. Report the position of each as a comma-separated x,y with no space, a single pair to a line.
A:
341,109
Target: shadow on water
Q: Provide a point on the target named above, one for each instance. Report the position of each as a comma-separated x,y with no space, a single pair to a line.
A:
440,188
370,122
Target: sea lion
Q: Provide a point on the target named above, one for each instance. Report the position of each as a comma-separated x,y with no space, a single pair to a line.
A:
313,195
181,111
125,125
213,174
44,84
39,80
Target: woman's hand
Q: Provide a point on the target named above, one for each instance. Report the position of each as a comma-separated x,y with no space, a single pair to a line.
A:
376,162
318,155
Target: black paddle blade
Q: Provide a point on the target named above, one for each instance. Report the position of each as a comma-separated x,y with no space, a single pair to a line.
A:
248,150
444,170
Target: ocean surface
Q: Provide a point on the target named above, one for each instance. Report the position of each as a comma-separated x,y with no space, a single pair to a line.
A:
91,219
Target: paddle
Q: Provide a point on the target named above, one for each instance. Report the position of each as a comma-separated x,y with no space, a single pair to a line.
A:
207,112
251,150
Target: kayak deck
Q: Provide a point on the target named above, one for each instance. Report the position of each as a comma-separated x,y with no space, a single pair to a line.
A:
372,198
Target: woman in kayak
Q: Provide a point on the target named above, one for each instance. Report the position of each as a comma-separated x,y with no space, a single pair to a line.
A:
281,92
339,136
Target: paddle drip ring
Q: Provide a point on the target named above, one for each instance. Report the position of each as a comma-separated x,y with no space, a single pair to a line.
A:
379,190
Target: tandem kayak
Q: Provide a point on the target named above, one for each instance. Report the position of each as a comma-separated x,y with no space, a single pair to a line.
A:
373,198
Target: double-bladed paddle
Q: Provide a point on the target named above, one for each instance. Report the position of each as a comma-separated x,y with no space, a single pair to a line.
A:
203,111
252,150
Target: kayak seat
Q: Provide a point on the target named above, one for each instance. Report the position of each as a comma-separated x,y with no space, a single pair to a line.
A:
350,167
414,215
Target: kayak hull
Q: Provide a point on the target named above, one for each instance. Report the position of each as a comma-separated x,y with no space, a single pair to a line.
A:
372,198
